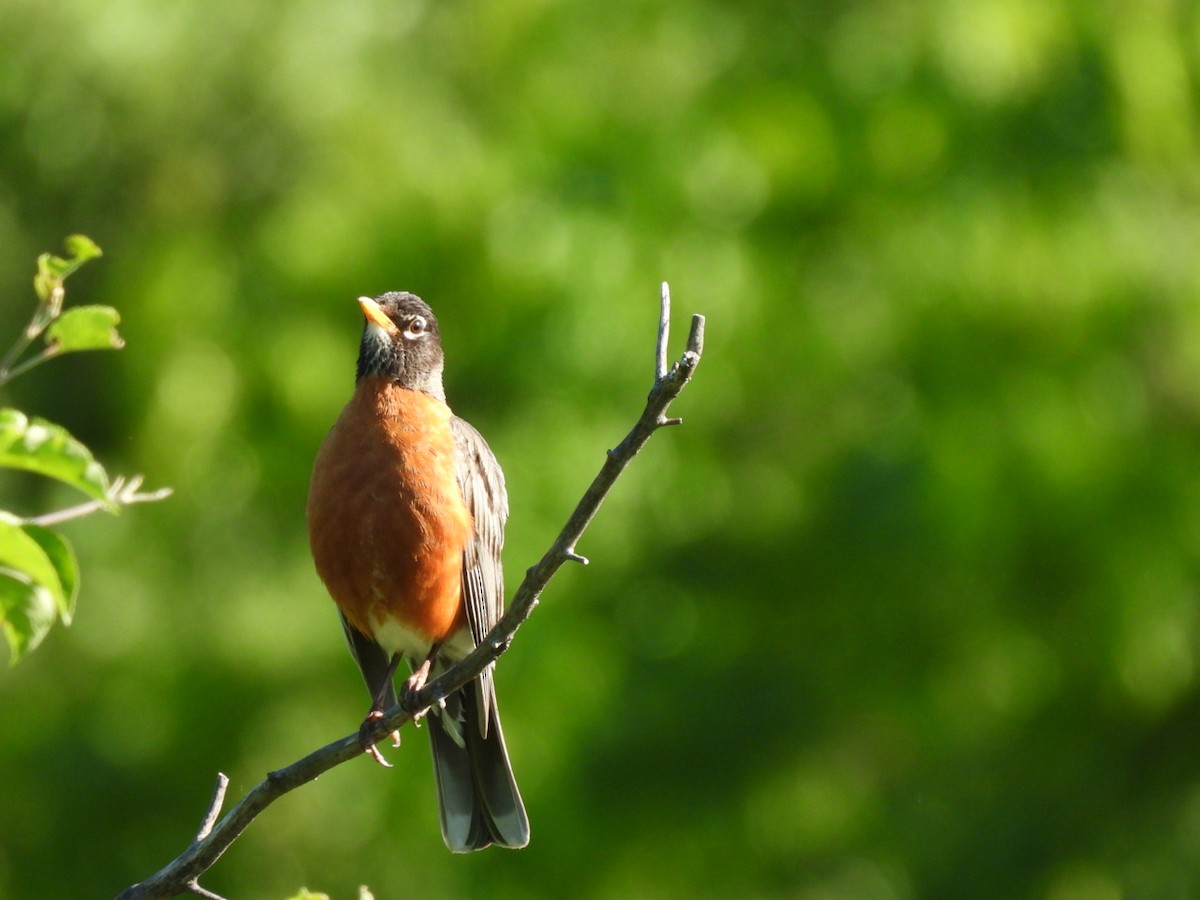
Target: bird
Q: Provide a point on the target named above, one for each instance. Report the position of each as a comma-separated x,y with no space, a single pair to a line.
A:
406,512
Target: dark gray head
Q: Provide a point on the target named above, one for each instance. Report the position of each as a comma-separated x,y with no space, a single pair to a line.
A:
401,342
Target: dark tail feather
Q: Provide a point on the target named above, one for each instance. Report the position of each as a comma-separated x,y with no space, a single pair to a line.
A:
477,795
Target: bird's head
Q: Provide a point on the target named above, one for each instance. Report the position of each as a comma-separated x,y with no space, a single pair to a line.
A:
401,342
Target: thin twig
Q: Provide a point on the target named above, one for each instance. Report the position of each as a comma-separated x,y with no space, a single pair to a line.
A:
214,806
9,374
664,332
43,315
120,493
193,888
182,874
28,333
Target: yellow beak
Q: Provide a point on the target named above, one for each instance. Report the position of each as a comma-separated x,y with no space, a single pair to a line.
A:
375,315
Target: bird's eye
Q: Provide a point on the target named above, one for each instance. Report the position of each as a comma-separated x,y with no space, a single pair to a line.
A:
416,327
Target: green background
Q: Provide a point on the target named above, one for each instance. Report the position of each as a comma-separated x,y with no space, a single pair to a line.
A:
906,609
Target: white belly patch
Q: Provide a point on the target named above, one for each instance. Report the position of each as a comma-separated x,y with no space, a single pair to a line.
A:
395,637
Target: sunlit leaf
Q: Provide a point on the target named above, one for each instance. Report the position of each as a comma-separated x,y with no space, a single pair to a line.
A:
23,553
26,612
52,270
53,266
82,248
31,589
85,328
36,445
61,555
43,281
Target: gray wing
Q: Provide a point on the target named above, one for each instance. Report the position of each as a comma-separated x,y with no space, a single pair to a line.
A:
482,484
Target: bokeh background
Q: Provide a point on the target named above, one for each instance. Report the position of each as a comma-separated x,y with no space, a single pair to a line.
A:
908,608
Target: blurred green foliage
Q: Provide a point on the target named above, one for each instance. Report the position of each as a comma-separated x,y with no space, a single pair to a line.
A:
908,608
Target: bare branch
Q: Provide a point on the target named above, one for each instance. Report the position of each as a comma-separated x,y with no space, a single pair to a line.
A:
664,332
214,807
181,874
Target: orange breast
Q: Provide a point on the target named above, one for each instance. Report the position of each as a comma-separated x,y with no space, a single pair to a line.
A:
386,518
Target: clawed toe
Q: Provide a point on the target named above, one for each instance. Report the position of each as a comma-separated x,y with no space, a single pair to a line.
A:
412,687
368,745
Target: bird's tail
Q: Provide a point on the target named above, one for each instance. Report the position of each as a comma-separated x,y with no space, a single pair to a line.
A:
477,794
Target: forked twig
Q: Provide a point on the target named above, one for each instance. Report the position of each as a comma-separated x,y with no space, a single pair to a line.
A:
121,492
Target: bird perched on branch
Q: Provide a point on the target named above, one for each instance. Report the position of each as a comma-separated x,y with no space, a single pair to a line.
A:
406,516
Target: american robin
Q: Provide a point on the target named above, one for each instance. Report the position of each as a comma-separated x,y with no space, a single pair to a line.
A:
406,516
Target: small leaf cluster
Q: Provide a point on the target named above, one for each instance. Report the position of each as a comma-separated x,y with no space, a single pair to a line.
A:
39,574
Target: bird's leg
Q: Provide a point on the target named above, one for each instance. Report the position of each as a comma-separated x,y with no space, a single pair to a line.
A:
378,705
416,681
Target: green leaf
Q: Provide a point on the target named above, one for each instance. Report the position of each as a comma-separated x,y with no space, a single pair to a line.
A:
36,445
54,267
26,612
23,553
82,248
32,592
85,328
59,552
53,270
43,281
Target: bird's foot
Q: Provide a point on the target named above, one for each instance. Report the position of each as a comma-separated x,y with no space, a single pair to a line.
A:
368,745
412,686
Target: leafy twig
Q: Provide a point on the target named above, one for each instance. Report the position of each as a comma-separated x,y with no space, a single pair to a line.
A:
181,875
52,271
39,575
